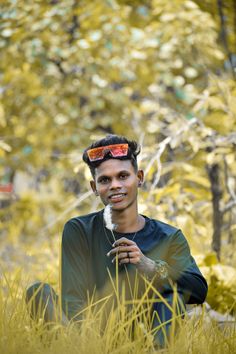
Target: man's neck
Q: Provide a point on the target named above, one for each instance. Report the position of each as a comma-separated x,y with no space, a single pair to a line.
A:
128,221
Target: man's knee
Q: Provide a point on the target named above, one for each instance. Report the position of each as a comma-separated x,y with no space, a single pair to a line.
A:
39,290
41,300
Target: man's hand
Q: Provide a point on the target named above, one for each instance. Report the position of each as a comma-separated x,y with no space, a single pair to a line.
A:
127,251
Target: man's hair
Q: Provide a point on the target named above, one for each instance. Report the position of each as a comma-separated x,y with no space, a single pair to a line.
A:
112,139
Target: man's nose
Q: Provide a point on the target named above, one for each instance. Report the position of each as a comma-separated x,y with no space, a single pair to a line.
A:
115,184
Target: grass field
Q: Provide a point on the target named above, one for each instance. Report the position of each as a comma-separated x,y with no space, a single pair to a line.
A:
121,333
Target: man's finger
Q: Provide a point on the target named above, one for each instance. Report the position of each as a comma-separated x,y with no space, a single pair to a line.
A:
123,240
120,256
121,249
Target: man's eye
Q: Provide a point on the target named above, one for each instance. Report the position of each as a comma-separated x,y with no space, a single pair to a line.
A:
123,176
104,180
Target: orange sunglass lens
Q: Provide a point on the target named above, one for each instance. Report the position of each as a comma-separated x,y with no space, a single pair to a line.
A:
96,154
119,150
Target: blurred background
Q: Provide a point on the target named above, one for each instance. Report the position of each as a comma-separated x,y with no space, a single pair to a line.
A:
160,72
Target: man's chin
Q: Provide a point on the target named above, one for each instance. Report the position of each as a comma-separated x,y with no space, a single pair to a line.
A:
119,207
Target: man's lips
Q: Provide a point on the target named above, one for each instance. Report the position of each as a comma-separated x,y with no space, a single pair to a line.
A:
117,197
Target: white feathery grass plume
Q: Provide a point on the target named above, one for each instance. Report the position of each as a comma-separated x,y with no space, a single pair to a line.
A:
107,215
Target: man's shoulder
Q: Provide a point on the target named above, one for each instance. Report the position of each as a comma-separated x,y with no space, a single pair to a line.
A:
170,229
80,228
164,227
85,219
83,224
170,233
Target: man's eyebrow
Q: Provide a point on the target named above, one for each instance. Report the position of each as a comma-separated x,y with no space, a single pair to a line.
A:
107,176
123,171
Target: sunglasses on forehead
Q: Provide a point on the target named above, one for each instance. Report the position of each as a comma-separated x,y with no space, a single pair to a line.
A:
116,150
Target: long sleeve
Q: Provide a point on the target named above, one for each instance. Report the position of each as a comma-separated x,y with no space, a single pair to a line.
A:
74,269
184,271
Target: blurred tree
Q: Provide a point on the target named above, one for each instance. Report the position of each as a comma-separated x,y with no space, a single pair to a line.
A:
74,70
224,13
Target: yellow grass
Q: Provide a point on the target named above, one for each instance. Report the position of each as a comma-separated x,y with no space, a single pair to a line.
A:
105,328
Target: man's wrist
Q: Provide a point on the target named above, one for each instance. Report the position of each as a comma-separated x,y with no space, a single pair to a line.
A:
161,269
154,269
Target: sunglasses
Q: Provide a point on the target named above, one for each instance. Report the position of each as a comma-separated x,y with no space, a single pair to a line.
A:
117,150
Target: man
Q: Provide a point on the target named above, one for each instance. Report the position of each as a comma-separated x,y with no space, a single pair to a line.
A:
155,250
135,244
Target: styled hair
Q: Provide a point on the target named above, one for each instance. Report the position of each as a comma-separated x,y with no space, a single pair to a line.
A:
112,139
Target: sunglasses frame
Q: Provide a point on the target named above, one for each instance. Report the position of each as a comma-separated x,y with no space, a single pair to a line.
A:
109,148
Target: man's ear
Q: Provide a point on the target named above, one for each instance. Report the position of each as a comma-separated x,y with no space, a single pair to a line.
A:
140,175
93,186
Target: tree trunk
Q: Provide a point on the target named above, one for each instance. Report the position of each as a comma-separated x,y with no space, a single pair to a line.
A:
223,34
214,176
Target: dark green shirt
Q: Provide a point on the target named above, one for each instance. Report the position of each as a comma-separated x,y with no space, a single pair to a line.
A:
85,265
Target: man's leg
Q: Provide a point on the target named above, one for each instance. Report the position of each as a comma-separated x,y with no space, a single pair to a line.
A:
162,314
43,303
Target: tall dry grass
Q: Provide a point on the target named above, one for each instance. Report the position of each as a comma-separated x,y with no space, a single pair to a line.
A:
126,328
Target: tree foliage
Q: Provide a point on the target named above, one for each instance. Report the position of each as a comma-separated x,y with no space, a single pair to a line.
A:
155,71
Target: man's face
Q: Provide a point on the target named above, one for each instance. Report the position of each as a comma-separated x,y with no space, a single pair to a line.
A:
116,182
